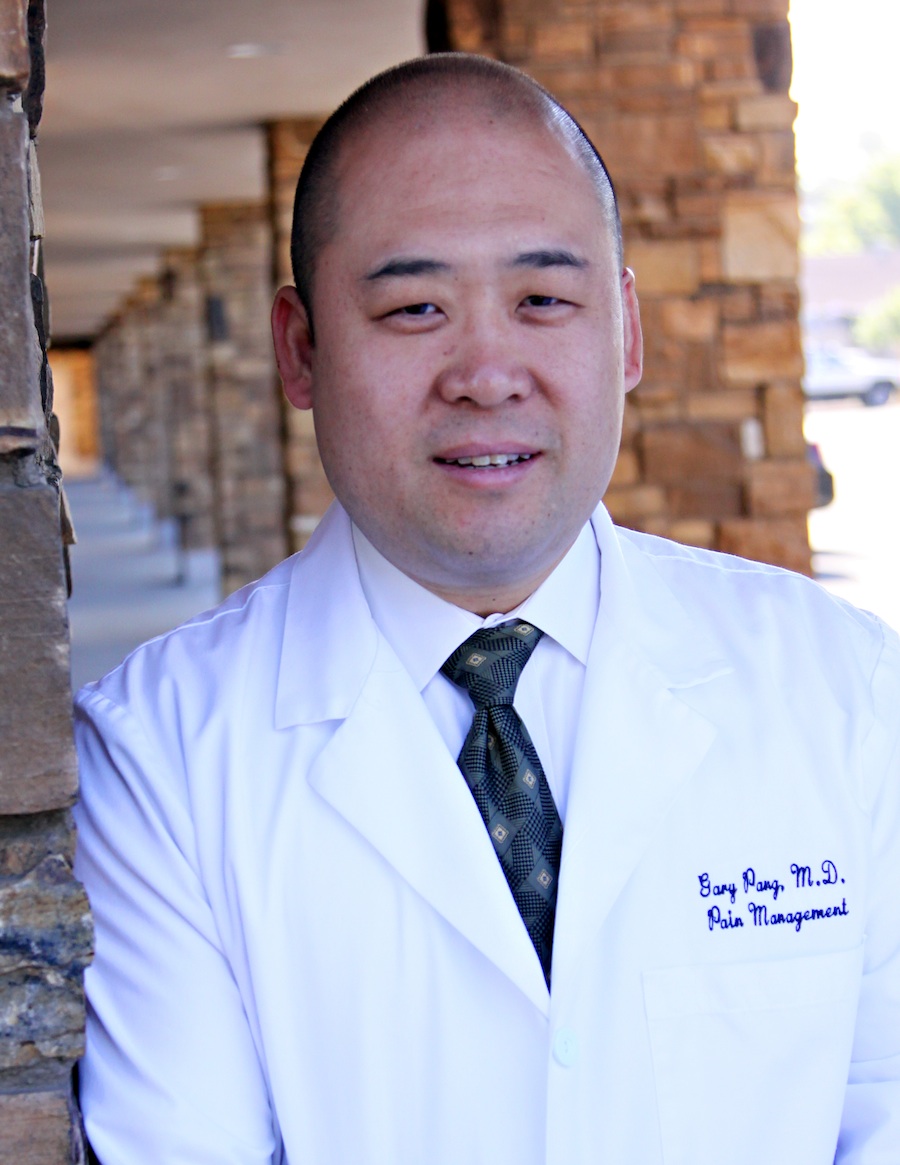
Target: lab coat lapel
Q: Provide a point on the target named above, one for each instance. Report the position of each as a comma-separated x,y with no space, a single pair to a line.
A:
639,739
386,769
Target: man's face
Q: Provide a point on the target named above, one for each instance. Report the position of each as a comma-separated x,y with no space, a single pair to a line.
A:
471,351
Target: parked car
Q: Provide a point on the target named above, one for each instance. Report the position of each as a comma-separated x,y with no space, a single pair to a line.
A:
849,372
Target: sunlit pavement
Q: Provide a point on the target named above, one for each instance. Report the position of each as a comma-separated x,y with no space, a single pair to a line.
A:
129,581
856,539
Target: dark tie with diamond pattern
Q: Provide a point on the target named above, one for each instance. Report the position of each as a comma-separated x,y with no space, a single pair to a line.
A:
507,781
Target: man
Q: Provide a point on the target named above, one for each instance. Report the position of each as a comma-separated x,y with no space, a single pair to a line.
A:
650,916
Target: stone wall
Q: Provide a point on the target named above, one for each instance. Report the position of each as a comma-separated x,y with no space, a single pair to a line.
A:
45,931
687,100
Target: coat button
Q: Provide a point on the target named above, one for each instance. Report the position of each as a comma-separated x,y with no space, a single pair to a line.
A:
565,1047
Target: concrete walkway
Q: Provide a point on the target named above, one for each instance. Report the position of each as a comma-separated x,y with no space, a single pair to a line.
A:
129,581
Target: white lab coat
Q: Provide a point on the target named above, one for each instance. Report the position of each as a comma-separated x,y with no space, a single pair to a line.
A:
306,949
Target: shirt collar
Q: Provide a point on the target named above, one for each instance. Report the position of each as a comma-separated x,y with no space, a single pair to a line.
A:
424,629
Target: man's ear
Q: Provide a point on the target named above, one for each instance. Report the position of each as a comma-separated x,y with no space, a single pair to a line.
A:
633,337
293,347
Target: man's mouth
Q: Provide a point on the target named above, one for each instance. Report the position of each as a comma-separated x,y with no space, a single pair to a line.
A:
486,460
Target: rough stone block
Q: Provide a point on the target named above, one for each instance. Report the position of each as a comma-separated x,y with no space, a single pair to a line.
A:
650,145
764,111
37,761
26,840
782,418
710,252
45,920
665,75
571,40
711,499
675,454
694,532
778,166
734,404
731,154
629,504
664,267
762,352
689,319
780,487
713,40
715,115
760,9
760,237
657,402
20,404
779,541
35,1128
15,59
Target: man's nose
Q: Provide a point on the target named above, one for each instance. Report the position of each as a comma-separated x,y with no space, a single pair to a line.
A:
486,370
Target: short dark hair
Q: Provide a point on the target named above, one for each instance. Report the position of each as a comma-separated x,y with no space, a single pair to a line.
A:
504,89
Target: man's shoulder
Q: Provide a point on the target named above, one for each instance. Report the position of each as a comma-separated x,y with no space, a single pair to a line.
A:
739,596
216,645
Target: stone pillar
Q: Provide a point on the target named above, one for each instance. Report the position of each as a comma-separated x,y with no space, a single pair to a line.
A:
246,420
309,494
687,100
183,359
45,931
135,403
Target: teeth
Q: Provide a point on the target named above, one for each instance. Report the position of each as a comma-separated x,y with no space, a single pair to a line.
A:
493,459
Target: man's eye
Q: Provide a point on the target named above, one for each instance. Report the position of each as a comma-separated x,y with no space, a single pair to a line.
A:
540,300
417,309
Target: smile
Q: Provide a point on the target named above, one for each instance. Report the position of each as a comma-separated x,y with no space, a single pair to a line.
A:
487,460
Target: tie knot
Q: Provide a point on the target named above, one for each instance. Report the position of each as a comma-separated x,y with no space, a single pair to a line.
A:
489,663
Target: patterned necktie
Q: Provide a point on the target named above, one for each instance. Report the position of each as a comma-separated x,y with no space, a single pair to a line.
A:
507,781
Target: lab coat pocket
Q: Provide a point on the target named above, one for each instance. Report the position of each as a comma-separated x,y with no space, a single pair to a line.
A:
750,1059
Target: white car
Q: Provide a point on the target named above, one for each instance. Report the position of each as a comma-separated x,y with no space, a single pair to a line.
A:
844,372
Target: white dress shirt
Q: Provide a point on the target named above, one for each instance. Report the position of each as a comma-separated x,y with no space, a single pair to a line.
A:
424,630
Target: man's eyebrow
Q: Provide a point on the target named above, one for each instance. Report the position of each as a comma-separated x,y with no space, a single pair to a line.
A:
550,258
396,268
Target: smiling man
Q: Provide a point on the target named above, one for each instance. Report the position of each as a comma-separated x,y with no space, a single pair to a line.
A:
482,831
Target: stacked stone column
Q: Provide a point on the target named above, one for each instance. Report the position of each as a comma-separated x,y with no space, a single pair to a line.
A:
687,100
136,400
45,931
245,405
183,369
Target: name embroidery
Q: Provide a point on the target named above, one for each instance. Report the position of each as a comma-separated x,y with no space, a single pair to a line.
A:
720,916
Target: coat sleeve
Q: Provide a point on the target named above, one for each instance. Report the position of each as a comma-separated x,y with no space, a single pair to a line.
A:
171,1075
870,1128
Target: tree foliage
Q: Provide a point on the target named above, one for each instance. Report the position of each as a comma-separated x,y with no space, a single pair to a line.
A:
863,216
878,328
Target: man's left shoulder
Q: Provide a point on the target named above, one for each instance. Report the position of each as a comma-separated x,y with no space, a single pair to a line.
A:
742,597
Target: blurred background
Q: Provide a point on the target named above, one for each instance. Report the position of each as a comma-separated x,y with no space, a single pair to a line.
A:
170,142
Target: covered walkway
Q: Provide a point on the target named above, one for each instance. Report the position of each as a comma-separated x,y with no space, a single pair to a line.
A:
129,579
